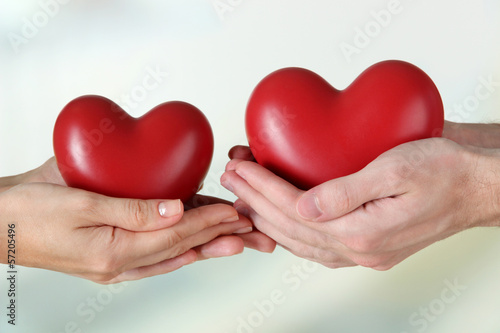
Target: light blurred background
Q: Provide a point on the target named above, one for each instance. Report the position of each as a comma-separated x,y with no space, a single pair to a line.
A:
214,52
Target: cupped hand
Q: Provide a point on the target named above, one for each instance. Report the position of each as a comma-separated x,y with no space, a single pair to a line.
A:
106,239
109,240
408,198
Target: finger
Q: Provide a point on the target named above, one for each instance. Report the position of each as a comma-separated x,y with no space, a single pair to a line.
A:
231,165
133,214
203,200
340,196
299,248
387,260
242,153
325,258
275,189
290,233
263,206
254,240
223,246
187,233
203,237
163,267
258,241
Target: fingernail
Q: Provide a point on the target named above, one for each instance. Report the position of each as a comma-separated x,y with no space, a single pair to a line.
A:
227,185
308,206
241,174
243,230
231,219
169,208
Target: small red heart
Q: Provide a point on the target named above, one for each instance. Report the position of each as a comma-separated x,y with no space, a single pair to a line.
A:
307,132
165,154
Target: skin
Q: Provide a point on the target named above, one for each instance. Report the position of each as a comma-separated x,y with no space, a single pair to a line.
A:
109,240
405,200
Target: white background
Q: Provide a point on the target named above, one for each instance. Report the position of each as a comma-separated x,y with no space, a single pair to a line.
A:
214,58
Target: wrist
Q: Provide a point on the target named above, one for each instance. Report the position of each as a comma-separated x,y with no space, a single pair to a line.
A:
479,135
485,182
4,222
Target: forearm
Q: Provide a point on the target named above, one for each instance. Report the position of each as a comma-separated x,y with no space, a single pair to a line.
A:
479,135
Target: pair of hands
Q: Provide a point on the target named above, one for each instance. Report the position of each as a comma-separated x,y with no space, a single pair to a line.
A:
406,199
109,240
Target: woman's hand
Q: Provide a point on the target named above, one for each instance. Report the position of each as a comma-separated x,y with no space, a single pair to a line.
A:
106,239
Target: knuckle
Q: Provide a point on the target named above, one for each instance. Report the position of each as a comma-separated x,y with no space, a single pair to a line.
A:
86,203
103,279
398,175
107,269
399,170
363,244
376,262
383,267
339,197
106,265
139,212
368,261
331,265
221,207
106,261
292,234
173,238
331,258
199,214
211,215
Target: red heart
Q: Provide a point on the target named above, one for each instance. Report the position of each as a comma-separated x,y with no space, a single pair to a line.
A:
164,154
307,132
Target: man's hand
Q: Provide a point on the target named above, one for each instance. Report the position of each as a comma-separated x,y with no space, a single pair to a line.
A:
408,198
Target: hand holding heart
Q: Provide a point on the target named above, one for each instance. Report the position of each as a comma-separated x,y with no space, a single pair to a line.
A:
360,209
406,199
107,239
165,153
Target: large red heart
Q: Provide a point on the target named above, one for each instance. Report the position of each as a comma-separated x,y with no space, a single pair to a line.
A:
164,154
307,132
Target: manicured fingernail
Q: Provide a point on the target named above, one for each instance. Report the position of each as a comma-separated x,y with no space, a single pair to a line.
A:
308,206
243,230
169,208
231,219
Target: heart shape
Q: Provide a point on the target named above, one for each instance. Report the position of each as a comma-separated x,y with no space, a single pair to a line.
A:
308,132
165,154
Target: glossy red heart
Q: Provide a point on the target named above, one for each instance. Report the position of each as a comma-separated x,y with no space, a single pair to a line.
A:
308,132
165,154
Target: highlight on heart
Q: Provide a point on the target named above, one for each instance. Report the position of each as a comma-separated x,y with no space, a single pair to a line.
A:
307,132
166,153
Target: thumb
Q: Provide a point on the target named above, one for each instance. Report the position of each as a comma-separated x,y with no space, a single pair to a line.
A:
140,215
340,196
